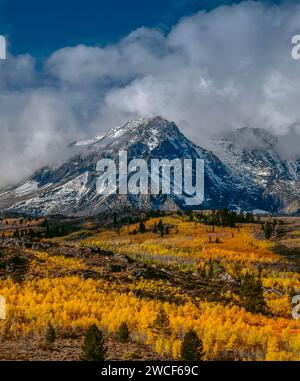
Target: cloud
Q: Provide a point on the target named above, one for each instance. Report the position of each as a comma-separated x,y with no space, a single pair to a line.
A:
214,71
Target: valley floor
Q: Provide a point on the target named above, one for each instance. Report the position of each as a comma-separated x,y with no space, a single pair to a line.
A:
71,350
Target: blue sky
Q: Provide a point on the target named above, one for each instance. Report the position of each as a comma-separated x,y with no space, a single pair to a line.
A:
91,65
41,27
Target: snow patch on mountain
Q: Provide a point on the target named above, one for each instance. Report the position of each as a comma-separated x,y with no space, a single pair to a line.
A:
255,157
88,142
28,187
57,199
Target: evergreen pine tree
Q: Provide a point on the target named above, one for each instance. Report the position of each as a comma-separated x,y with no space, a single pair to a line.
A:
268,230
191,347
50,335
123,333
252,297
142,227
94,348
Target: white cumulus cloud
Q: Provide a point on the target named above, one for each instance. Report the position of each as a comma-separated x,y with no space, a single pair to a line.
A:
214,71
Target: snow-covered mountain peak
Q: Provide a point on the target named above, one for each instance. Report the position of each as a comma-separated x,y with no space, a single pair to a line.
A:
131,126
243,169
151,131
71,188
255,157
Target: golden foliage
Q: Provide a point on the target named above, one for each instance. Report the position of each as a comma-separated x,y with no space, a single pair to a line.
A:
71,303
189,244
53,293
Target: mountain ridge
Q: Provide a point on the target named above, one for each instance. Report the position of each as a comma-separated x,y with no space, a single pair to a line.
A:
246,177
